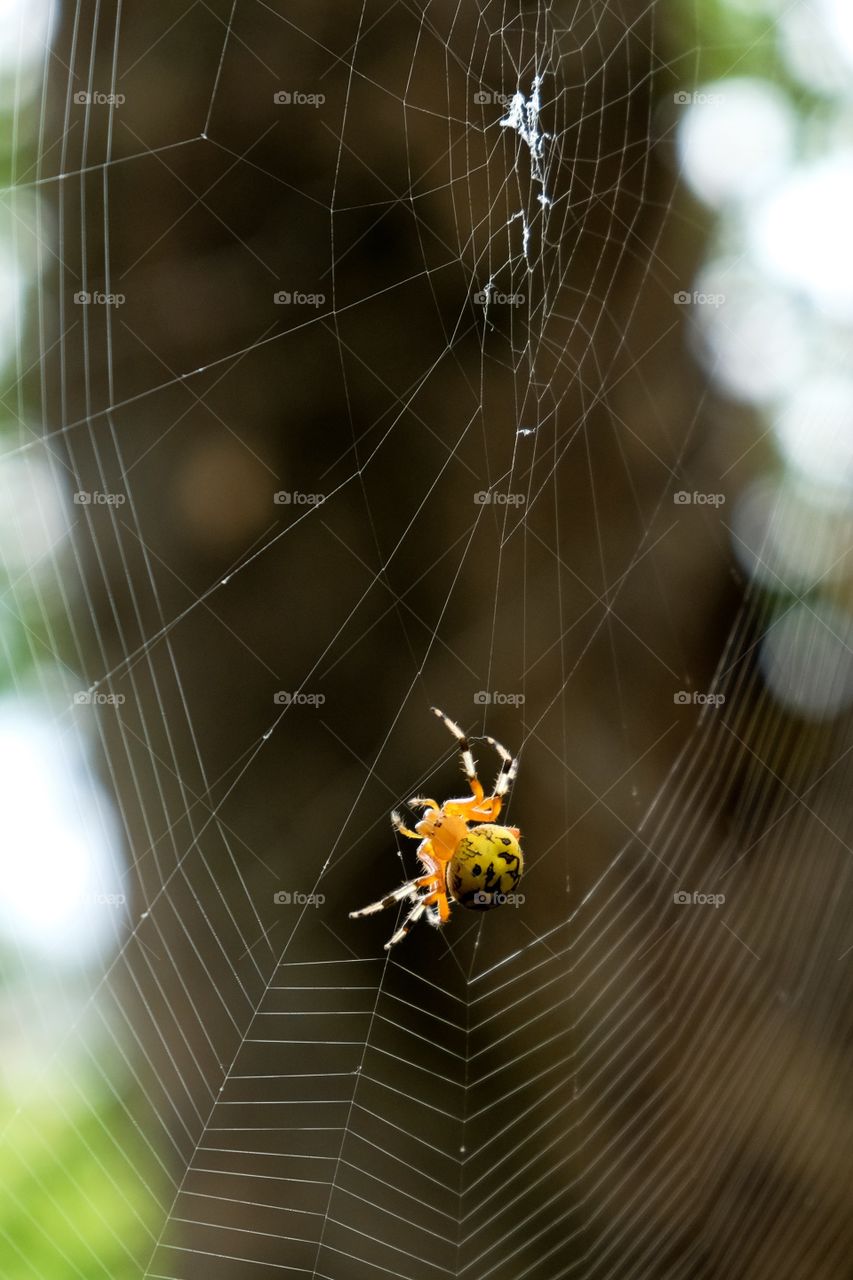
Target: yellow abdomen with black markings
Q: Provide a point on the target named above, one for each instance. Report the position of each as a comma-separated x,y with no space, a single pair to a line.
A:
485,868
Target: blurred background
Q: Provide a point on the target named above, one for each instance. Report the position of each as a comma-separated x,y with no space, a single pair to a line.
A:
363,358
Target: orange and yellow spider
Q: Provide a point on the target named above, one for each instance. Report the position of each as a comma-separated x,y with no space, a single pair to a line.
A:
478,866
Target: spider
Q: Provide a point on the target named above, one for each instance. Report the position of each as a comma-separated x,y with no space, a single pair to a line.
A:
477,866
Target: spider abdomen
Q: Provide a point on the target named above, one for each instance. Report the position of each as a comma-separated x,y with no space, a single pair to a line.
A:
485,868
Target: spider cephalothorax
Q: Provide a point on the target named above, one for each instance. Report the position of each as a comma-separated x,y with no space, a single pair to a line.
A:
478,865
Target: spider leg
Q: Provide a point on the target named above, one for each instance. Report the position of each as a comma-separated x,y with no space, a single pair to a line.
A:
440,911
407,890
423,802
398,825
467,756
481,806
508,769
432,904
411,919
492,805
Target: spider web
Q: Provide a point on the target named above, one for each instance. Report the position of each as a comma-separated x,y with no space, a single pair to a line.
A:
478,514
